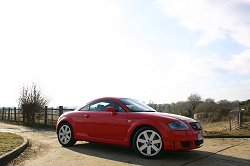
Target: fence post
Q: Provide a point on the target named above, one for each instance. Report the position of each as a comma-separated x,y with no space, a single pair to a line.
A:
23,117
60,110
230,126
9,114
51,113
19,114
45,114
3,113
15,114
240,118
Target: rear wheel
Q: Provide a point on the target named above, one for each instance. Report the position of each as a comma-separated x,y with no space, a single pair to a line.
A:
148,143
65,135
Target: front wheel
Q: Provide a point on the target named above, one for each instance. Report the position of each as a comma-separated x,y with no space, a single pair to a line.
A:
148,143
65,135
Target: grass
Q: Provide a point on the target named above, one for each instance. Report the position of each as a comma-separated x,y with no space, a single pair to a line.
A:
222,129
237,132
9,142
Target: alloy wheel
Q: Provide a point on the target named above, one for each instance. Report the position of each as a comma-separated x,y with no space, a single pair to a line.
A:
149,143
64,134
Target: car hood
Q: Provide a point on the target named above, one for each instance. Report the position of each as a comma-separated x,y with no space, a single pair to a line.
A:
156,115
179,117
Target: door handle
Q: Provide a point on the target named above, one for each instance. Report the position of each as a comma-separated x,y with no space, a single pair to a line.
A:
86,116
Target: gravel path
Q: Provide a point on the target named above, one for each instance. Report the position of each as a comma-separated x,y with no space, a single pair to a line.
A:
45,149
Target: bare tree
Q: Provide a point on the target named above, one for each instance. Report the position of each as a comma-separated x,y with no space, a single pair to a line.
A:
31,101
193,100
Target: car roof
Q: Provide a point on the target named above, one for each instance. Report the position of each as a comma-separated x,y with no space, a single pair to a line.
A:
106,98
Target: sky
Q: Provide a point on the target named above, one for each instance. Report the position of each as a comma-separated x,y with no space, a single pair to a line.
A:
159,51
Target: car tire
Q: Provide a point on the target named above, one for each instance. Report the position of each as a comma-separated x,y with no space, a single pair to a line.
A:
65,135
148,143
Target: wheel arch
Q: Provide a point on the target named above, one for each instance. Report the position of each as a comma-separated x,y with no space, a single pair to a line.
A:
137,128
64,120
66,137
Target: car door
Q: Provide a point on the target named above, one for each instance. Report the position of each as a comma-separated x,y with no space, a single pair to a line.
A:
103,124
77,117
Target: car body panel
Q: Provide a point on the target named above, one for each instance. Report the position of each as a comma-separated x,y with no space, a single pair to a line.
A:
105,124
118,127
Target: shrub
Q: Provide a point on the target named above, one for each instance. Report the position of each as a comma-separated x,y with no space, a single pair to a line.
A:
31,101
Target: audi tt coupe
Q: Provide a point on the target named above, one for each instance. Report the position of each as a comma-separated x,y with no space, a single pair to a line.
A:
128,122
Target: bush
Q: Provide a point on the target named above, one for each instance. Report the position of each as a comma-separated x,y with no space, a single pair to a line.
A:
31,101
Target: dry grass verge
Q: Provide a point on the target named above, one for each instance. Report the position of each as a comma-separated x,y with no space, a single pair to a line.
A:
9,141
222,129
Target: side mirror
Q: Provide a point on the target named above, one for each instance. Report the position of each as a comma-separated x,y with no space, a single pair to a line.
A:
111,109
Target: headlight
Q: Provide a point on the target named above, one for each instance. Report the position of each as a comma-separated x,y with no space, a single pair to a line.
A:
178,125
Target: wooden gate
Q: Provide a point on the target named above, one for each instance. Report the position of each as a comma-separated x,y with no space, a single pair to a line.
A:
235,119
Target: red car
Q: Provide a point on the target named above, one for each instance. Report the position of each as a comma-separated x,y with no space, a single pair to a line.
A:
128,122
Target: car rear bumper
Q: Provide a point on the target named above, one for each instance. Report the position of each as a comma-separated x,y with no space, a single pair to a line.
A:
183,140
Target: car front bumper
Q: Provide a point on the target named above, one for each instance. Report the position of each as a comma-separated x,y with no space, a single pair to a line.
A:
183,140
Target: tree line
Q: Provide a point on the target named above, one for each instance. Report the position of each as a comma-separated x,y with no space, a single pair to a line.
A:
208,108
32,101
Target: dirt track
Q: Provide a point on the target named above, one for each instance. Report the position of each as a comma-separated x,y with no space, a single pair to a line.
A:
45,150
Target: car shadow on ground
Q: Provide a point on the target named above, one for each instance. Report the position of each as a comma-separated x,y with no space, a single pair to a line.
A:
127,155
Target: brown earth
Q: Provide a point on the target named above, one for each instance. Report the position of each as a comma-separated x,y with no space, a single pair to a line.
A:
45,150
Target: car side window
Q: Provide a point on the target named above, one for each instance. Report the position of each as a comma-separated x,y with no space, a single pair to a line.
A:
100,105
119,108
85,108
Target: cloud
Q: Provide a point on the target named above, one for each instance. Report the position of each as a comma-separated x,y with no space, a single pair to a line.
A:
213,19
81,50
75,50
221,76
179,74
234,90
238,63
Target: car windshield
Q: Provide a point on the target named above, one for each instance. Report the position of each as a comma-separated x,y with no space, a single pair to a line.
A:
136,106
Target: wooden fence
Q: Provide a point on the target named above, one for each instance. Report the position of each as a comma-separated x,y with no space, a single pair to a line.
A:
47,117
235,119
